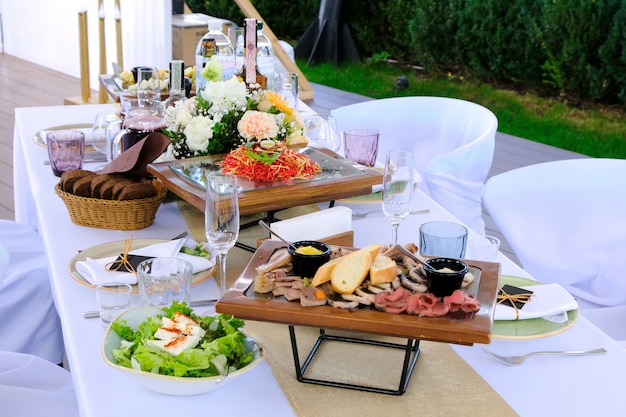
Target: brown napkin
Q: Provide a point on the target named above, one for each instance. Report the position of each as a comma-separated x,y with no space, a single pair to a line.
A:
133,162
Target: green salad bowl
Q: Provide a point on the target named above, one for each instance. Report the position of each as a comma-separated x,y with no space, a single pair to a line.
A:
164,384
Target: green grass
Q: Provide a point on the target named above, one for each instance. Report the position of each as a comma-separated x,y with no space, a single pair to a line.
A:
593,131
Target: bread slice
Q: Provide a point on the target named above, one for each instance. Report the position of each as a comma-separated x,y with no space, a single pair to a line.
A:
323,272
373,249
136,191
68,178
350,271
383,269
96,183
82,186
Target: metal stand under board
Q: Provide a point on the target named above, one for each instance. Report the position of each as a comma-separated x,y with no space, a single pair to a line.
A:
411,348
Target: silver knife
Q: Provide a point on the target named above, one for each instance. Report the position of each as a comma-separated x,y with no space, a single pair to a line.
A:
96,314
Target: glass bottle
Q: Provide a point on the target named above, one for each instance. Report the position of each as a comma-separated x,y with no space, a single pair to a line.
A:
265,55
218,44
250,72
177,83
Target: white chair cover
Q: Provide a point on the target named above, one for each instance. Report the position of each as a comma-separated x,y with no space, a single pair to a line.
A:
33,387
566,222
452,141
28,318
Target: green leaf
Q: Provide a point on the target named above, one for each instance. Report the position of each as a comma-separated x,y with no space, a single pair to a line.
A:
263,157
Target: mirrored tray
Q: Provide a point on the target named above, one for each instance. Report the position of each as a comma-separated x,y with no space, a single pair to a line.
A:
194,171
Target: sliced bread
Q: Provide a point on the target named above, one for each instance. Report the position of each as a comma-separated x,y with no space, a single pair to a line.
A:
383,269
350,271
323,272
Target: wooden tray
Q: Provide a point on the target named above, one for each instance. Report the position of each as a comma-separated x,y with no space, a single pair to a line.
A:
275,197
242,302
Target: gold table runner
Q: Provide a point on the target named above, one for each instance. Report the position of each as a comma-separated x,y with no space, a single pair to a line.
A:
442,382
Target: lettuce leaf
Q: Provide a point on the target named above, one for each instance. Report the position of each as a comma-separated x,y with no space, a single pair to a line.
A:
222,346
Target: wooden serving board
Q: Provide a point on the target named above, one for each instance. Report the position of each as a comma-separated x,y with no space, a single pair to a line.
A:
242,302
275,197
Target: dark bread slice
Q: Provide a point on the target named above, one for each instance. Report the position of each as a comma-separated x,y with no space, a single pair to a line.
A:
119,186
106,189
68,178
82,186
97,181
137,190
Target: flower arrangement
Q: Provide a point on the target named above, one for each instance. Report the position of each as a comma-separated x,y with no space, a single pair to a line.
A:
225,116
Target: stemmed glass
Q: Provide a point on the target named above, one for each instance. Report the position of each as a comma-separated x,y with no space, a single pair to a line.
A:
397,192
329,136
222,218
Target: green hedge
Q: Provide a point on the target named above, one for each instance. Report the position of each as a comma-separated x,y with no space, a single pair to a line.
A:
572,48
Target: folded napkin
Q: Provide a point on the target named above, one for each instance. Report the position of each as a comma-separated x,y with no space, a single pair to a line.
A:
134,160
95,271
550,302
316,225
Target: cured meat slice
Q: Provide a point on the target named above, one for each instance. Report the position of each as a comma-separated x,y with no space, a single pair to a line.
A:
460,301
392,302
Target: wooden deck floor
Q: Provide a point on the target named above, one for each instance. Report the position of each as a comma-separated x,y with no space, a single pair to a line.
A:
24,84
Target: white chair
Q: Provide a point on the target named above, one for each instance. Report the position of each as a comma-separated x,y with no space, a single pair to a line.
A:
28,318
33,387
452,141
566,222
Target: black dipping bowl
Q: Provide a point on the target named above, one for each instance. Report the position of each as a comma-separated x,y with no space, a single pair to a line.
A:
306,265
443,284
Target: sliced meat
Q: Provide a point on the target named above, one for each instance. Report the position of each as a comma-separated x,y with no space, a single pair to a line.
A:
293,294
392,302
279,258
338,301
461,301
366,301
279,291
412,285
310,297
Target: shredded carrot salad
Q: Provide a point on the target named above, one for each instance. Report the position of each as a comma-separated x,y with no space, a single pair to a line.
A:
289,164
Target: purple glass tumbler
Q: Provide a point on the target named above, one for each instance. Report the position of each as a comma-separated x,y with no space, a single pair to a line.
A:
361,145
66,149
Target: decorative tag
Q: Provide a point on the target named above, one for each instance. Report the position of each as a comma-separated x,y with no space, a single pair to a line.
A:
122,262
514,297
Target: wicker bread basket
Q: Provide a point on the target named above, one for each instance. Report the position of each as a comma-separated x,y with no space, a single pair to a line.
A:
112,214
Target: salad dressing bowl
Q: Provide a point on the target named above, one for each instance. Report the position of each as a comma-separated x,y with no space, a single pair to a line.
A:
164,384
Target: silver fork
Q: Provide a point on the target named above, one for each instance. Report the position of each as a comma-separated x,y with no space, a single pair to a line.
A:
365,213
516,360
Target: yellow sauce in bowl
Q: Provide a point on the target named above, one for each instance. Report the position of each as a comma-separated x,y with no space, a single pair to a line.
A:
308,250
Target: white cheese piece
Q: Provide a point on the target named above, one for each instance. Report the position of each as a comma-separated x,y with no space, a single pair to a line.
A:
175,336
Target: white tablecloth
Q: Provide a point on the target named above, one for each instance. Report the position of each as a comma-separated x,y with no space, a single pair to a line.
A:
544,385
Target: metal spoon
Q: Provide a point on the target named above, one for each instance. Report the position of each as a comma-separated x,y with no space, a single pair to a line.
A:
266,227
414,256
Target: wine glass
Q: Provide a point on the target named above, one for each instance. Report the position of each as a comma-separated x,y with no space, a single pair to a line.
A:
222,217
329,136
397,192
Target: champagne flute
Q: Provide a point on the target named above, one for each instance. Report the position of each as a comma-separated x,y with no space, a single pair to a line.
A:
222,218
397,192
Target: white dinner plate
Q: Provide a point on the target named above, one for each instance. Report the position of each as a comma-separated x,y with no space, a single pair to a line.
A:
39,137
106,250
